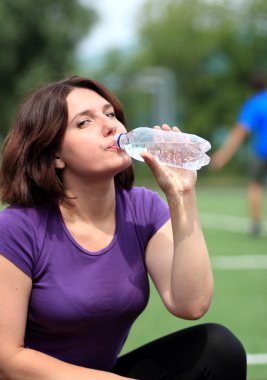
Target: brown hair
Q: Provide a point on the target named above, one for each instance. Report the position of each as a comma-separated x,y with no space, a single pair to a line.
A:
28,176
258,80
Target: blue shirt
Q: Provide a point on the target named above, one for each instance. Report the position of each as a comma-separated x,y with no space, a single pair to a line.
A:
253,117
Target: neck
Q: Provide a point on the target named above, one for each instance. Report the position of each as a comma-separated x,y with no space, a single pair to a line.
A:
94,202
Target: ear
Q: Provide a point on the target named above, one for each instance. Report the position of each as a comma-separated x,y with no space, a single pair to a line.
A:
59,163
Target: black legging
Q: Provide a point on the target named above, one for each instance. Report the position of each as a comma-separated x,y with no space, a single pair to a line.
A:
203,352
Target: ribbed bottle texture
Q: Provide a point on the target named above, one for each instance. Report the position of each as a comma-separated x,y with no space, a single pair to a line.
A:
170,148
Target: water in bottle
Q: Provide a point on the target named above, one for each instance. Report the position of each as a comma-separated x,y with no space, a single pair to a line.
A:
170,148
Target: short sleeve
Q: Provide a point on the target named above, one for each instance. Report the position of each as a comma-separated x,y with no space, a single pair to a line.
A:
17,241
157,211
151,210
246,115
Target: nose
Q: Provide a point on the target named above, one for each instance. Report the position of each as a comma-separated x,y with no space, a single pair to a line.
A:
109,127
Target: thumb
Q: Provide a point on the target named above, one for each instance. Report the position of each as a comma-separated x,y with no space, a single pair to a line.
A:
152,162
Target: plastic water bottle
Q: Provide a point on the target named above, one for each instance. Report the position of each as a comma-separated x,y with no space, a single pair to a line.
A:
170,148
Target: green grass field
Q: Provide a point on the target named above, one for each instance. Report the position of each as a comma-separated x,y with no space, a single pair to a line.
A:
240,299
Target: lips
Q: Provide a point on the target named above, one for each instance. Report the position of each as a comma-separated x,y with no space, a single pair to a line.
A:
113,145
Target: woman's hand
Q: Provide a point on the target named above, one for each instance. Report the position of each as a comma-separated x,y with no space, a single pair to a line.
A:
171,180
176,256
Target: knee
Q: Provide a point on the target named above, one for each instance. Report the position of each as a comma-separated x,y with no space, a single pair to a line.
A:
224,343
219,334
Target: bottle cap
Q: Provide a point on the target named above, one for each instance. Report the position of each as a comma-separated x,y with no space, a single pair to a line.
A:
118,137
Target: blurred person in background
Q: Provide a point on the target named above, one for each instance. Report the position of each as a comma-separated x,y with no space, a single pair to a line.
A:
78,241
252,122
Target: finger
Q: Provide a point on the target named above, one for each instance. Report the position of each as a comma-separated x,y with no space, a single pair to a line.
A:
152,162
148,157
166,127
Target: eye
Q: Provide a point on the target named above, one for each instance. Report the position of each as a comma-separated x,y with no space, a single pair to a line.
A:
111,114
82,123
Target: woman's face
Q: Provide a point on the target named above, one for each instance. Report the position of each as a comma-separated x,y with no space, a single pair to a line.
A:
88,148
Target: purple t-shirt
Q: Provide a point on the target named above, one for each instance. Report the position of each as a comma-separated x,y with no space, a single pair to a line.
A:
83,304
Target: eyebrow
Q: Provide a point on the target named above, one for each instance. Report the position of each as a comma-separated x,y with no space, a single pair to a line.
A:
88,111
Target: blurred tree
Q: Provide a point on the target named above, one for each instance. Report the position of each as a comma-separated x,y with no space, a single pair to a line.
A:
210,47
37,41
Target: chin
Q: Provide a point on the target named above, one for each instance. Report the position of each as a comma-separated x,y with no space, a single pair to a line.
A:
125,163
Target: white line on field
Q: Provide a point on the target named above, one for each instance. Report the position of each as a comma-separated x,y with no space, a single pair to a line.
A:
239,262
236,224
256,359
228,223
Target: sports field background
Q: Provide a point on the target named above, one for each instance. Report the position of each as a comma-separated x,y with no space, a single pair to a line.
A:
240,278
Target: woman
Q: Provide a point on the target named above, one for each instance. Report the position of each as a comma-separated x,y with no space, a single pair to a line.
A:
78,241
